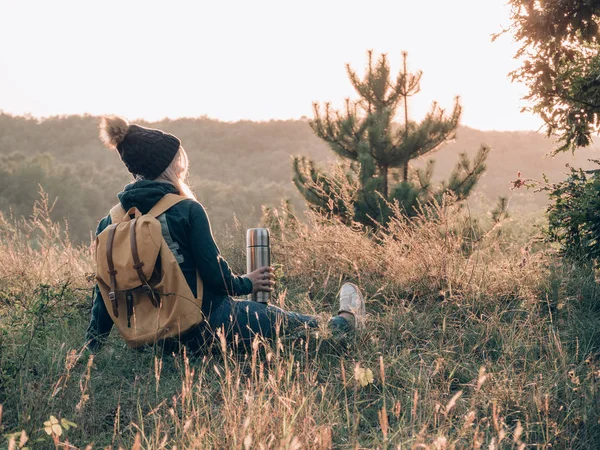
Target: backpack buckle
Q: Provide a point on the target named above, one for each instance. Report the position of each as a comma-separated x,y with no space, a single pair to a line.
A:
113,300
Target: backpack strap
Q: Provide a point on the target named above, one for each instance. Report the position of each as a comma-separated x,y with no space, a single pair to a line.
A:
112,295
165,203
117,213
137,265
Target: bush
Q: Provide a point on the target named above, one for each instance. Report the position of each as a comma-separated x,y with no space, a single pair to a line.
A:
574,215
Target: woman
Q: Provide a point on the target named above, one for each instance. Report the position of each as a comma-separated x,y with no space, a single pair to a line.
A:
159,165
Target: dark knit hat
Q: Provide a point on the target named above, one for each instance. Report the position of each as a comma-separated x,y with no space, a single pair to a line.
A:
145,151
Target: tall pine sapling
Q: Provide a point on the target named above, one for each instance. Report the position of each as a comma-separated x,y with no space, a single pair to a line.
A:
378,151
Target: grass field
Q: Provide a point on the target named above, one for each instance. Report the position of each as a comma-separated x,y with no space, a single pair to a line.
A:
474,340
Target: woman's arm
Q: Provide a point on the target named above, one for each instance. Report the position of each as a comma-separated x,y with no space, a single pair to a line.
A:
212,267
100,322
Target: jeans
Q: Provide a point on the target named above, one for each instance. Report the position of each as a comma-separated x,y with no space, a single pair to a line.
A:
242,320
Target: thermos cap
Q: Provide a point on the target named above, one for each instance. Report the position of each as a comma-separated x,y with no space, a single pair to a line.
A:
257,237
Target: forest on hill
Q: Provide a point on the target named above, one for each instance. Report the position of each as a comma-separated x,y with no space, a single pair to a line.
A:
235,167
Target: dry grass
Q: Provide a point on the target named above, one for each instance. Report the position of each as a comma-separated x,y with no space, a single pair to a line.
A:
431,257
472,342
36,251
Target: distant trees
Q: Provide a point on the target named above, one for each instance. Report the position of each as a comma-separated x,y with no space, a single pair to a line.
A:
80,196
235,167
561,65
379,152
65,157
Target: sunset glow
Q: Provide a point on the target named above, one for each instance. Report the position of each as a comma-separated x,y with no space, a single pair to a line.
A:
258,60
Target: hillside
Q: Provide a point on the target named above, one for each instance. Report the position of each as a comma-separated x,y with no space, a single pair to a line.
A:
236,167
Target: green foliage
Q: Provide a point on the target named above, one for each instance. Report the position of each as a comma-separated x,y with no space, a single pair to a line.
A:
366,136
574,215
78,191
561,65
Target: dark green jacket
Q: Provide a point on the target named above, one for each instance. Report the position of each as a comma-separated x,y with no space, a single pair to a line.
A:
187,231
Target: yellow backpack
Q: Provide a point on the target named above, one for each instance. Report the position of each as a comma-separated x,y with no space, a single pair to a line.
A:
142,285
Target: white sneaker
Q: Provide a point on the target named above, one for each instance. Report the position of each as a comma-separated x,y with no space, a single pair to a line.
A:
353,302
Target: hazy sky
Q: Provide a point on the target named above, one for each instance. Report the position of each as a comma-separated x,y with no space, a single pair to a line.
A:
250,59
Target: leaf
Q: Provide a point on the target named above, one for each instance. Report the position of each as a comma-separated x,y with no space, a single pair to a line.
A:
57,430
363,376
52,426
66,424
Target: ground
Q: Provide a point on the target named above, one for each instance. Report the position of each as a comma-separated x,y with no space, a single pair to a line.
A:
478,336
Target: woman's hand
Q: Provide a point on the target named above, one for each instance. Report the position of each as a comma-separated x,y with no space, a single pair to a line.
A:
263,279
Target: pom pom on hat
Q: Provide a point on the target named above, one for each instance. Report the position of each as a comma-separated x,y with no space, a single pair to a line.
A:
113,130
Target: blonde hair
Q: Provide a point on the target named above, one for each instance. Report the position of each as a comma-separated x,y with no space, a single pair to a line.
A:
177,174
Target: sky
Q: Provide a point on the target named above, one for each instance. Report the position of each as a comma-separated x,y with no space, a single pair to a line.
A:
251,59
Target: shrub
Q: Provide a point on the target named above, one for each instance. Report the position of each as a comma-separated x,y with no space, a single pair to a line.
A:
574,215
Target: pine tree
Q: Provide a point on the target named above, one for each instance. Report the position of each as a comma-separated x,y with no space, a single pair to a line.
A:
379,151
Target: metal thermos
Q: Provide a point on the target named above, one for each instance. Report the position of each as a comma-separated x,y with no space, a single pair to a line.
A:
258,254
